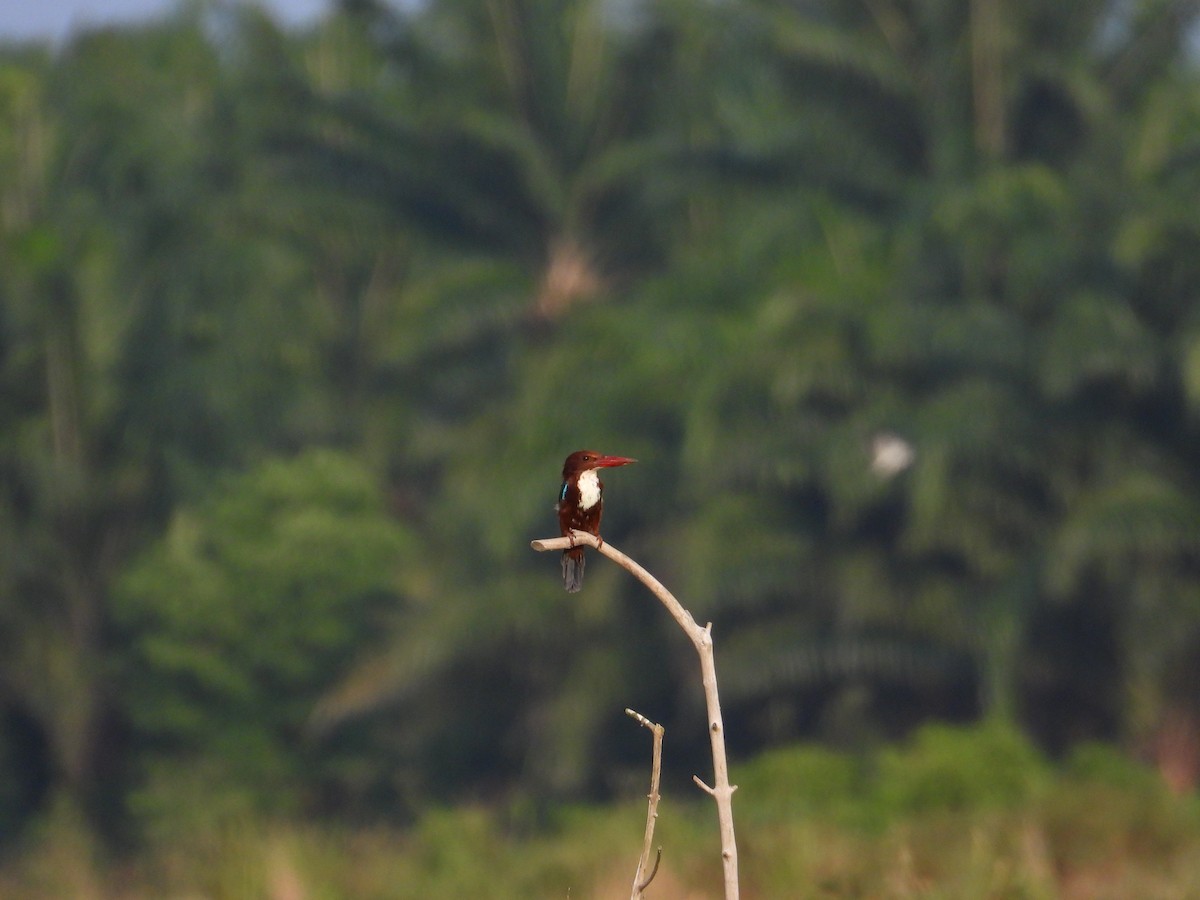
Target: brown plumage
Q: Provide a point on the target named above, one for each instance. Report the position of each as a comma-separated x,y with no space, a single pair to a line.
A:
580,505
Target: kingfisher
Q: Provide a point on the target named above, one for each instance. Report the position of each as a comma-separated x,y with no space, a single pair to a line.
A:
580,503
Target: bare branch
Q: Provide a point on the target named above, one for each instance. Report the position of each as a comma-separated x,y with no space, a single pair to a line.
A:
639,884
701,638
641,720
674,607
649,878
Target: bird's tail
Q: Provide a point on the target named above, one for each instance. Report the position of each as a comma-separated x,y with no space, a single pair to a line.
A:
572,566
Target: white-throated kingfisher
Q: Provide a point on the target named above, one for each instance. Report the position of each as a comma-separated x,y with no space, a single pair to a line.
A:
580,503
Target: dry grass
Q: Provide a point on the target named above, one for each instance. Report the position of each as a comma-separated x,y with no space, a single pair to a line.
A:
1096,828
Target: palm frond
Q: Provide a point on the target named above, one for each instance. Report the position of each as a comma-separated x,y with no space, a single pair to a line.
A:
1142,524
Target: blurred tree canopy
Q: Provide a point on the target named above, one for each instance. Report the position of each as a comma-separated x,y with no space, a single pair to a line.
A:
240,615
896,302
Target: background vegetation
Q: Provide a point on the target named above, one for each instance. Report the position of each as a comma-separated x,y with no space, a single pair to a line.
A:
296,329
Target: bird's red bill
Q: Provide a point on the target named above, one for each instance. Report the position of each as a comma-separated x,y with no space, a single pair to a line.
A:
607,462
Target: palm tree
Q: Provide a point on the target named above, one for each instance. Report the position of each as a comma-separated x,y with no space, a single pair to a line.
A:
948,280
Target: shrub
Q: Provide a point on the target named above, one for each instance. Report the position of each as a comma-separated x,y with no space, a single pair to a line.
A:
800,780
943,767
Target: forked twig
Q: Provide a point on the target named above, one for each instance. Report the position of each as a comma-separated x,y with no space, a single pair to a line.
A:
640,883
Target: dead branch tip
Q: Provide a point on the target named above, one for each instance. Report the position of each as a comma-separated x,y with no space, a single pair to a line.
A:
649,878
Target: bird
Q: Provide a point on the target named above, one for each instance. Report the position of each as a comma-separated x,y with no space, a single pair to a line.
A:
580,503
890,454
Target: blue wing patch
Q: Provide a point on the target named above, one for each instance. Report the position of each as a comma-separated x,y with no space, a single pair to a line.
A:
562,495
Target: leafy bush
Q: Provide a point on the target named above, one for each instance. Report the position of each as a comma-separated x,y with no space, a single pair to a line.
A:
952,768
801,780
245,610
1105,765
1107,806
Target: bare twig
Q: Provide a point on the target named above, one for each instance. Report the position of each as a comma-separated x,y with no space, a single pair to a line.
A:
649,878
701,638
640,883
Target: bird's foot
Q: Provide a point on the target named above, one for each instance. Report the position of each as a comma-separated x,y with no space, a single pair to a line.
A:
572,542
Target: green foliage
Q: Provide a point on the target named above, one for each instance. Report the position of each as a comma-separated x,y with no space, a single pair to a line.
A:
802,781
252,603
740,241
1105,766
947,768
941,769
1107,806
1101,823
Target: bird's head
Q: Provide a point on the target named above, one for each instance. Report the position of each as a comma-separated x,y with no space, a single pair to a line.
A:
583,460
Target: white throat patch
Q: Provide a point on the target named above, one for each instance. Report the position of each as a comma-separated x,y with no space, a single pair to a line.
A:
589,489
